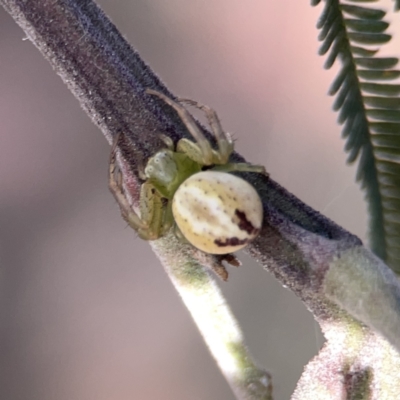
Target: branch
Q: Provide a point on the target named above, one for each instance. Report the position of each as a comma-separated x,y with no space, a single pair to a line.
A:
306,252
214,319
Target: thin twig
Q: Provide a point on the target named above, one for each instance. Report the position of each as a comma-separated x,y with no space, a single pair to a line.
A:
213,317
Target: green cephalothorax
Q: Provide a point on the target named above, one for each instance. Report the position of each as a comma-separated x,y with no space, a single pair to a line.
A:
167,169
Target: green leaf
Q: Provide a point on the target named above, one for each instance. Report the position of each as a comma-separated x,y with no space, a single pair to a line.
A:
336,49
329,27
382,102
385,127
338,82
353,154
386,115
394,228
376,63
363,12
388,180
388,167
345,89
354,126
369,38
350,107
386,140
381,89
378,74
389,152
365,25
330,38
354,143
327,15
361,51
344,92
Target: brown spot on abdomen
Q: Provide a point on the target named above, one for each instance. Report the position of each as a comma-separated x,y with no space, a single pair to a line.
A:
234,241
244,224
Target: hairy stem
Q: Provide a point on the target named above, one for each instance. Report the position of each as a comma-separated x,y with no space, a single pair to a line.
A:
214,319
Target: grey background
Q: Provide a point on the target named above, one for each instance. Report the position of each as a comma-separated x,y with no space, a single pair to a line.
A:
86,310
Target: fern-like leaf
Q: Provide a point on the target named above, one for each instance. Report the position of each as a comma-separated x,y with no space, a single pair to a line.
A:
369,110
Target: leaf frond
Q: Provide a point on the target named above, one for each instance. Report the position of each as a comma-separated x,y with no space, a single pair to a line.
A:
368,106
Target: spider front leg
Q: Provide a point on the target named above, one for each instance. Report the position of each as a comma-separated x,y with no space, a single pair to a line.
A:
224,140
200,150
240,167
225,144
155,216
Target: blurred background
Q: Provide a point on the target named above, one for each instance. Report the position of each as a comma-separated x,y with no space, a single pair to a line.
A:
87,311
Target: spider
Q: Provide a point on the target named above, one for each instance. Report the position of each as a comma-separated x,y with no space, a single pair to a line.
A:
189,187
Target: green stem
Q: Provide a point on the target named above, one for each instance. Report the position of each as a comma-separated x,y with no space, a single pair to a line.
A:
185,267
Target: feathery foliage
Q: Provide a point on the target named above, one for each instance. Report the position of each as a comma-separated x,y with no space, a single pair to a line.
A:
369,110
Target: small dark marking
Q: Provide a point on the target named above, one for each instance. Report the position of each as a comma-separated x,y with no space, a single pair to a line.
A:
245,224
234,241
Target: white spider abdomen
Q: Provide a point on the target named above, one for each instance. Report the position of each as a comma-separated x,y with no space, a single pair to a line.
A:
217,212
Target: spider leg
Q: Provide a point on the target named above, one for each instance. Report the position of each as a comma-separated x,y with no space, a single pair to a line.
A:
147,225
191,149
168,219
168,142
191,125
240,167
156,210
115,185
224,141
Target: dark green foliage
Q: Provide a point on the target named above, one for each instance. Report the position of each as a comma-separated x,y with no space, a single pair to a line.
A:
369,109
357,11
378,74
382,102
388,115
362,25
376,63
368,38
381,89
